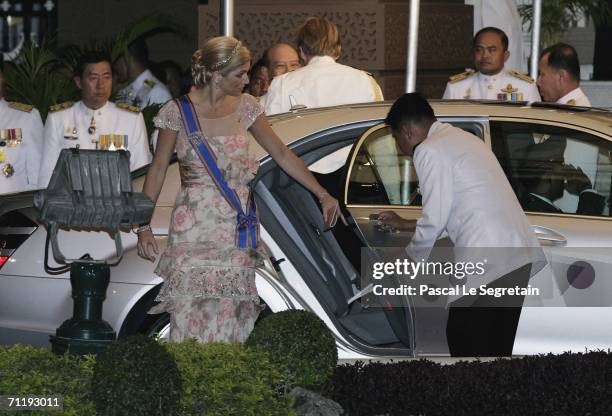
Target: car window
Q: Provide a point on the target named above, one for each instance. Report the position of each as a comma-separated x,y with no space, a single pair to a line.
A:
383,175
554,169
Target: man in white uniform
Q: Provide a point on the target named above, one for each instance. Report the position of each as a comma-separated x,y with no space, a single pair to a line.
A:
491,80
20,144
465,193
94,122
559,76
144,88
322,82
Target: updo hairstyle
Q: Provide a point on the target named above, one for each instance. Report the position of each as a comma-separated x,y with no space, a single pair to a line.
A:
222,53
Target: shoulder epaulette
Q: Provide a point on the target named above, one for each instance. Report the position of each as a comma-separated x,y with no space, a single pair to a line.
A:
149,83
522,76
61,106
460,77
127,107
20,106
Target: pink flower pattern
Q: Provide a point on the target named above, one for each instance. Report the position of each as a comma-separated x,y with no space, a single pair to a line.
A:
209,284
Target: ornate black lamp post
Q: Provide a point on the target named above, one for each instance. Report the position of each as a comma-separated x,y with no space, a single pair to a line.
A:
89,190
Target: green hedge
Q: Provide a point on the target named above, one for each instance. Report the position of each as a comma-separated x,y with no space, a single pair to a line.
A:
300,345
227,379
215,379
27,370
136,376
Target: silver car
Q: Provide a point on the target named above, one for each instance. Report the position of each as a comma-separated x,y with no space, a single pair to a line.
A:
353,155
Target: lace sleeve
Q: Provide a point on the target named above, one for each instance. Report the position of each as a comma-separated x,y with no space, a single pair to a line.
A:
251,109
168,117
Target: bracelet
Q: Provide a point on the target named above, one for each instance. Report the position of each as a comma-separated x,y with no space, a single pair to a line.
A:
141,228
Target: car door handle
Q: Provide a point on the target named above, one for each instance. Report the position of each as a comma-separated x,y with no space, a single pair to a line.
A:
547,234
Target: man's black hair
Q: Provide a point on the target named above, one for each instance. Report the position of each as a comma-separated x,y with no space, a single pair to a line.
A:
563,56
265,58
139,51
90,57
410,108
259,64
491,29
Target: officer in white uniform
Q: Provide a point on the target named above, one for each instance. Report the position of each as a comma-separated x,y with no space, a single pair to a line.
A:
559,76
144,89
322,82
94,122
491,81
466,194
20,144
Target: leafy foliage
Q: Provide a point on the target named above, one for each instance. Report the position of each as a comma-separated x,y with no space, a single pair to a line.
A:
42,75
221,379
136,376
566,384
40,78
27,370
560,15
300,344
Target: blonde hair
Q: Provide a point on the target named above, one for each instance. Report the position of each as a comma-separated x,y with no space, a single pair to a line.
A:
223,54
318,36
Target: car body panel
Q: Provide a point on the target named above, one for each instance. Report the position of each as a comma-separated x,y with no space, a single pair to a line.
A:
33,303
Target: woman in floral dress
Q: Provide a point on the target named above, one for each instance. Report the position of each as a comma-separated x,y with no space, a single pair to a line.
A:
209,288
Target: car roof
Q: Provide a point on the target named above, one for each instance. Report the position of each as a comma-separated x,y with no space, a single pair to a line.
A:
295,125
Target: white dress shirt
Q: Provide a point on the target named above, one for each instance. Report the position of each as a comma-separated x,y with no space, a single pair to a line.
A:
466,194
321,83
21,142
575,97
145,90
70,127
478,86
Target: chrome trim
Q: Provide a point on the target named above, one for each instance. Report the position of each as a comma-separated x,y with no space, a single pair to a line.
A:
17,230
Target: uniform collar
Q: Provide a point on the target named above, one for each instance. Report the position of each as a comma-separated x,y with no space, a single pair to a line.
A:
321,60
3,102
89,112
140,79
494,77
573,94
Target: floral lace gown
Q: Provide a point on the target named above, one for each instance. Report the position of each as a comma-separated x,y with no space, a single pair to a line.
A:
209,287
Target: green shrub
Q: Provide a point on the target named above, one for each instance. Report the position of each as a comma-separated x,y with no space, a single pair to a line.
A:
27,370
300,344
136,376
222,379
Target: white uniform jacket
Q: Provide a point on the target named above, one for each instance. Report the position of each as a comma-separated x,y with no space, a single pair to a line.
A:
477,86
321,83
145,90
70,126
575,97
21,141
465,193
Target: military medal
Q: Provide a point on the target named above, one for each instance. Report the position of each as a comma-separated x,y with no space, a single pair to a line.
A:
8,170
509,93
71,133
92,126
468,93
1,155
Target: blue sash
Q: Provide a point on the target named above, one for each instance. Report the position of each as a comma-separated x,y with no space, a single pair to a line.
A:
246,224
